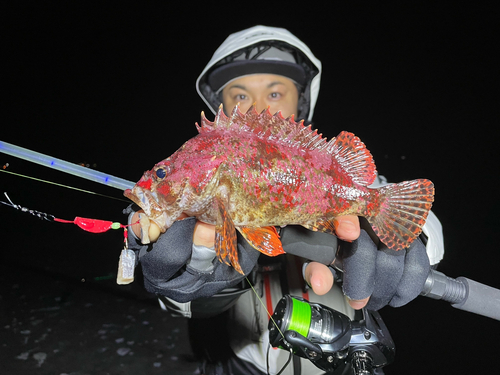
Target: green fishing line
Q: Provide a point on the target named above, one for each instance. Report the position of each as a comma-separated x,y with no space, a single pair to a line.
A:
300,320
61,185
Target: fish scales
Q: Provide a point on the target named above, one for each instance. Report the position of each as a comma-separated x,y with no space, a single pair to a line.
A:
281,183
250,172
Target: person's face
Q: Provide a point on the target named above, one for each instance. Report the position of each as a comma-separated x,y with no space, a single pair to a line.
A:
265,90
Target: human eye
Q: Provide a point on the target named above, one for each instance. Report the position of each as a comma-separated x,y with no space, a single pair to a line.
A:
240,97
275,95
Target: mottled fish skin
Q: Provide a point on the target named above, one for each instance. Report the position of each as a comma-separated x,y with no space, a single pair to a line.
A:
250,171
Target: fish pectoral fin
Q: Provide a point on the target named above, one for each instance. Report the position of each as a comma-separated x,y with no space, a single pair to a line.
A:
326,226
226,244
264,239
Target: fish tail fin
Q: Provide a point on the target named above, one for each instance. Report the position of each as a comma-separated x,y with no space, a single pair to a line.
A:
403,210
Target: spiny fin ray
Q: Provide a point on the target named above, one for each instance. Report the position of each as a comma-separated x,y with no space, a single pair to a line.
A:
354,157
265,125
226,244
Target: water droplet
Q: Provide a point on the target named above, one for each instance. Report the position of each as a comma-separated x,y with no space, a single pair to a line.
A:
24,356
40,358
123,351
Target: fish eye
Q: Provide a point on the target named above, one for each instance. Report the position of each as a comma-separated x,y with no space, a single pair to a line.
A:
161,173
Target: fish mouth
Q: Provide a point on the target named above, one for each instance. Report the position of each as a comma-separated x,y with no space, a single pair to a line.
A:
148,201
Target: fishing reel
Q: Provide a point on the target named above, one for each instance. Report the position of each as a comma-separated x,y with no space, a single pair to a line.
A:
329,339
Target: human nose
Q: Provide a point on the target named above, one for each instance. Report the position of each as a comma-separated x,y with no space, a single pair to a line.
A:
261,104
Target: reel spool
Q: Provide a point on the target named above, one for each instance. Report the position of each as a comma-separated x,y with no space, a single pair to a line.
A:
311,331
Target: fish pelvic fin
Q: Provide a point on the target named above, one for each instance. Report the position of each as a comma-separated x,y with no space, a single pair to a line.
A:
226,244
264,239
403,211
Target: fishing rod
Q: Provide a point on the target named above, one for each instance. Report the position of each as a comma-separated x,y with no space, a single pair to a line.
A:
64,166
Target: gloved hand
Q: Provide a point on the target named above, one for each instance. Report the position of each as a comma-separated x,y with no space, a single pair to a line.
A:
388,277
172,267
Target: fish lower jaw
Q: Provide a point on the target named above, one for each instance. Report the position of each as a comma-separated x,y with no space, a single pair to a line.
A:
163,221
146,200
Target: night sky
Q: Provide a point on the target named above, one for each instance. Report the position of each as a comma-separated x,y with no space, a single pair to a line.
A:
113,86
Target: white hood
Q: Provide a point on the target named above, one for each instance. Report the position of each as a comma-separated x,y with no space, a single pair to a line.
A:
248,37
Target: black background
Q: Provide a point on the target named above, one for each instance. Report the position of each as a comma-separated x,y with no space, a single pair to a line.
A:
113,85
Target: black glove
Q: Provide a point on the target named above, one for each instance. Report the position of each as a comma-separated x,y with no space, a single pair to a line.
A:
166,269
390,277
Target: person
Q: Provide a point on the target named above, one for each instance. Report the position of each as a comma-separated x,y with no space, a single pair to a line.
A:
270,68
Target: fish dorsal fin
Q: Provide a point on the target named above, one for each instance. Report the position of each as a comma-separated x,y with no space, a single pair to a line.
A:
221,121
346,148
265,126
353,157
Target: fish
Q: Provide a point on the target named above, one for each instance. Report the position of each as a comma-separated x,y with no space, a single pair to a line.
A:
252,172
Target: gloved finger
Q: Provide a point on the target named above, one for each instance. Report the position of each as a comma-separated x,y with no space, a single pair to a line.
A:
319,277
347,227
145,225
204,234
299,241
153,230
192,284
416,270
202,259
358,258
389,268
141,227
161,260
358,304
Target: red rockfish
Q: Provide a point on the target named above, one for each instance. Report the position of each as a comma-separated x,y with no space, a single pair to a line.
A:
254,171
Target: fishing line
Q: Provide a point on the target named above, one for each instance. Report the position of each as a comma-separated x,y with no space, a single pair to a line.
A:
284,366
89,225
262,303
276,325
61,185
40,215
